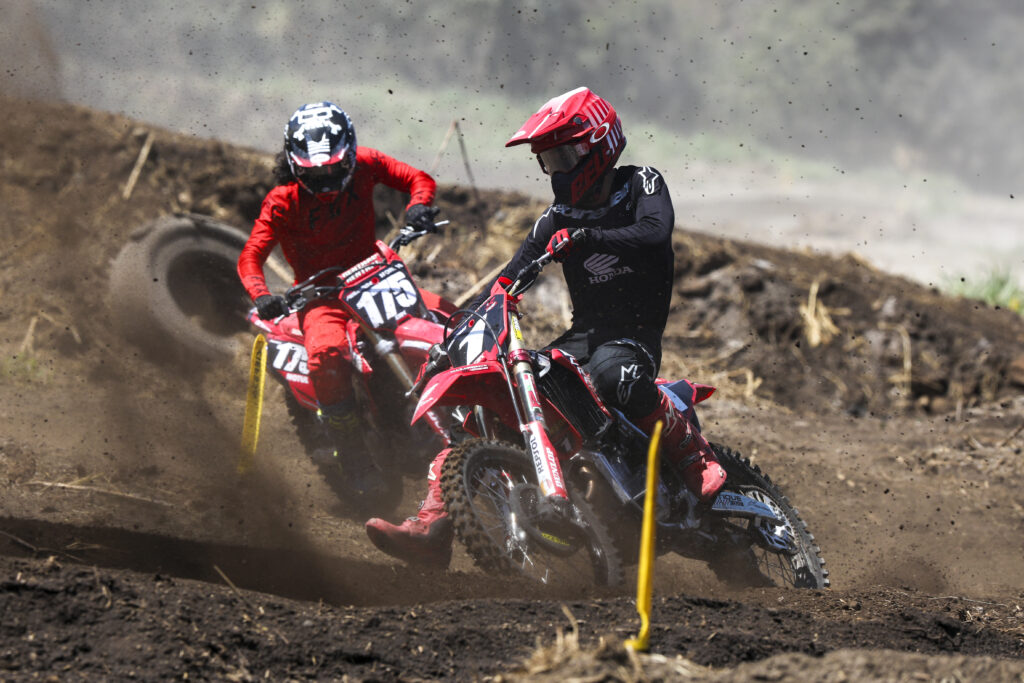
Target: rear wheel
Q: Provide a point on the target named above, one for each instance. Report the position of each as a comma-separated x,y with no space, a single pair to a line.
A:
766,554
500,517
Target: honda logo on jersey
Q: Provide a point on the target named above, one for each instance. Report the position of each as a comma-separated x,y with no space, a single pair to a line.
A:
604,267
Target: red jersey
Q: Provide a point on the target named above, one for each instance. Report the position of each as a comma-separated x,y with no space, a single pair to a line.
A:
317,232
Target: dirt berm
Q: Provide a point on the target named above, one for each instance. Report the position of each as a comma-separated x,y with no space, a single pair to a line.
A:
129,547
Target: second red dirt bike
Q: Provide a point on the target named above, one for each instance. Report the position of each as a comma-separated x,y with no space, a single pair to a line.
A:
395,323
550,482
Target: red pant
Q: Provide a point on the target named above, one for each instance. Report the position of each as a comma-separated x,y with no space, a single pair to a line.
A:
324,328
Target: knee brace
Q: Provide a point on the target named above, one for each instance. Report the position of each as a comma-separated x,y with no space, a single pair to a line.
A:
623,374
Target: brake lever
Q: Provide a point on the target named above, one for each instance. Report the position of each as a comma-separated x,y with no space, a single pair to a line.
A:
409,234
530,273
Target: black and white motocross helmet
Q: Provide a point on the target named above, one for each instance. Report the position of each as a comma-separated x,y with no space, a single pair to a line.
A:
320,143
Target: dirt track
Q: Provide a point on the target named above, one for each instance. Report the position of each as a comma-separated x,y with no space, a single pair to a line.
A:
130,546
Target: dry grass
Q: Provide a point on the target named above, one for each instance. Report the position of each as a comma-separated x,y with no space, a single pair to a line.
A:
566,660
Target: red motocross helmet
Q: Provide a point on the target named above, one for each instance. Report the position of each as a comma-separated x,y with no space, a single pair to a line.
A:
577,138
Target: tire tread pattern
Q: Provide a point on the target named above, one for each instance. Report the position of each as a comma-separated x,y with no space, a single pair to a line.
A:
739,467
479,545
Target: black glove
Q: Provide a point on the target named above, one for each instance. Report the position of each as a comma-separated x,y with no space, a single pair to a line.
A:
269,307
421,217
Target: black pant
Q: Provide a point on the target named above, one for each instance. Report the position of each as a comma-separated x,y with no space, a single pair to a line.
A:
622,368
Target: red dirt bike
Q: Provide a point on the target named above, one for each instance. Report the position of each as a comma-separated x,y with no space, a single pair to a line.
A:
395,323
550,482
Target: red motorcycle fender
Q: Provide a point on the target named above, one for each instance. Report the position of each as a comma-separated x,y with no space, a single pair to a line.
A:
285,328
480,384
701,392
415,336
438,303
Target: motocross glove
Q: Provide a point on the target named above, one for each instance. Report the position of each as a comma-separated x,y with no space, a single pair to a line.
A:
270,306
421,217
564,241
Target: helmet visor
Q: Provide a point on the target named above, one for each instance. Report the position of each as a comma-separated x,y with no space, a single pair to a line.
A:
563,158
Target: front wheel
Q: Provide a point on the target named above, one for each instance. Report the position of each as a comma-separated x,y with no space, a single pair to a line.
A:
330,460
762,553
490,492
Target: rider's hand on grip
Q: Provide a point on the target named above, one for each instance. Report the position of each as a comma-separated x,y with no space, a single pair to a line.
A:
270,306
421,217
564,241
503,283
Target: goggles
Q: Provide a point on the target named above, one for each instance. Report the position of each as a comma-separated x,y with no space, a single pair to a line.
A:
326,178
341,167
563,158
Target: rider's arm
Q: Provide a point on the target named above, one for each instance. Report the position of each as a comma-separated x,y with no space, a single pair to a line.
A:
259,245
655,216
399,175
530,249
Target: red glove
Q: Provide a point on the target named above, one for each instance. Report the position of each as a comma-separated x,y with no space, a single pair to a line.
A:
502,284
562,242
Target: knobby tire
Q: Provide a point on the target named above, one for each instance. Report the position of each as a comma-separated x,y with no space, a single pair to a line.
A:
755,565
489,546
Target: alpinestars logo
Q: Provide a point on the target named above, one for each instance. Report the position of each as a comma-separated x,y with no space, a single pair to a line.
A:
628,376
603,267
649,179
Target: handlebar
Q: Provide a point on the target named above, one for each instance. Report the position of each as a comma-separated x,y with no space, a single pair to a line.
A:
437,356
409,234
304,293
527,277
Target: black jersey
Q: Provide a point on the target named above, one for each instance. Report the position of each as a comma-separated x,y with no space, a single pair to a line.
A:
620,279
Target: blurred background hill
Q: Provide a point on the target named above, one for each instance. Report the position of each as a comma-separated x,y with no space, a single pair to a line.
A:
881,127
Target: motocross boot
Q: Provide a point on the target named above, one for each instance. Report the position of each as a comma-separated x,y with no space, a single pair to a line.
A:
424,539
685,449
346,430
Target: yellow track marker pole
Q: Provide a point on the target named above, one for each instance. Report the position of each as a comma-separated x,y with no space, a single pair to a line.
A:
253,404
645,573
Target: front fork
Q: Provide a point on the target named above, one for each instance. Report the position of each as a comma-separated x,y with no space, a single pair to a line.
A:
388,350
531,418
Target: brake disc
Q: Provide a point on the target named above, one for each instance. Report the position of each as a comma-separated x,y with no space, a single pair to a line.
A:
547,528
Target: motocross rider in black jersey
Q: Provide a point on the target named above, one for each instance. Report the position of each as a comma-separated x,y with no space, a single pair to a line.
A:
619,275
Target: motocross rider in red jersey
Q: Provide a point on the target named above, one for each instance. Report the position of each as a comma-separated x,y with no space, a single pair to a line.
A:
321,213
619,277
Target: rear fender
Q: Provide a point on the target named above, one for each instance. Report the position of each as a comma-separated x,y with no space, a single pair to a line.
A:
479,384
691,392
686,395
